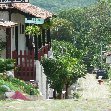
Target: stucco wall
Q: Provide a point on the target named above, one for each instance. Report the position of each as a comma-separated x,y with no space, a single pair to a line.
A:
5,16
3,38
18,18
108,59
41,79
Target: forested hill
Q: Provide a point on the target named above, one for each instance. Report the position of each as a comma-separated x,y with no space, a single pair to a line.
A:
56,5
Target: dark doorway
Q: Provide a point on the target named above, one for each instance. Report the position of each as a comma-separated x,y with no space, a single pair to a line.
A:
8,42
16,38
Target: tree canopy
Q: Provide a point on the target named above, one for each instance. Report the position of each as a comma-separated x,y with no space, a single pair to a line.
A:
57,5
91,29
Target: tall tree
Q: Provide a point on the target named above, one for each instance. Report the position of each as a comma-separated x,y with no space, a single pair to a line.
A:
91,29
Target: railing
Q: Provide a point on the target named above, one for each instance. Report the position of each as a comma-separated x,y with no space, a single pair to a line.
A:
43,50
25,68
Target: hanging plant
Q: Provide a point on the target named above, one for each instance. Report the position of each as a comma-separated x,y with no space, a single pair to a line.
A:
47,25
32,30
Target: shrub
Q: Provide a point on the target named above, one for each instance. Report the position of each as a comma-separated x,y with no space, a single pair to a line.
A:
17,85
2,90
6,65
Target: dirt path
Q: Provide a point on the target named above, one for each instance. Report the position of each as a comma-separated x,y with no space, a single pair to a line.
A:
91,88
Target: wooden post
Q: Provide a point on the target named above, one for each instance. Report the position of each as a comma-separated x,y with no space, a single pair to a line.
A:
39,41
8,43
43,36
48,38
36,47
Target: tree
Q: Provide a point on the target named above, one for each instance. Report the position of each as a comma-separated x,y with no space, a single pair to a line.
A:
75,69
57,5
65,68
63,48
61,29
55,72
62,72
91,29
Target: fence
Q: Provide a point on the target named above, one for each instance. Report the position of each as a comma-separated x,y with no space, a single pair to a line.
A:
25,67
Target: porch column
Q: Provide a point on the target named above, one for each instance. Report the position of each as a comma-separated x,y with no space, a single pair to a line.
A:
48,38
39,41
8,42
43,36
36,47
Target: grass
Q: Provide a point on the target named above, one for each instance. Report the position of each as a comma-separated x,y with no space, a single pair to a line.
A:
56,105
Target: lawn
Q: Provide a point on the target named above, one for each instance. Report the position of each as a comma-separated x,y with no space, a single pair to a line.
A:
56,105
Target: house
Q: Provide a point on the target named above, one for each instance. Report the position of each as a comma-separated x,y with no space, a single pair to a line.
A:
107,55
25,49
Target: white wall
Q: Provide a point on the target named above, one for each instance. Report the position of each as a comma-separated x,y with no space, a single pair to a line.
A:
13,39
3,38
41,78
18,18
108,59
5,16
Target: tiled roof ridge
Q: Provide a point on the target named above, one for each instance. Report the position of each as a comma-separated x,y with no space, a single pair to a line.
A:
37,11
30,9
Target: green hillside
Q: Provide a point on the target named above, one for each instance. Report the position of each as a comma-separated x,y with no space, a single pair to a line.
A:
56,5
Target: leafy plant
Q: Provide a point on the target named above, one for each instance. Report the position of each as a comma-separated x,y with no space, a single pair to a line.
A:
2,45
32,30
17,85
6,64
63,71
2,90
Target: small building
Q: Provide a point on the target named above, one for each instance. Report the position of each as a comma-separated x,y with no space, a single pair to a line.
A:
108,57
25,49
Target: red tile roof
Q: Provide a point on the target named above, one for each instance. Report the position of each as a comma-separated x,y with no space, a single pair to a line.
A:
30,9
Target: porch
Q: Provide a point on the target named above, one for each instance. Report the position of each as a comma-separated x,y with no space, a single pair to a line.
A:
25,66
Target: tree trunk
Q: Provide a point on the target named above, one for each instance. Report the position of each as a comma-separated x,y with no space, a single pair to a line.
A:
59,96
66,95
54,94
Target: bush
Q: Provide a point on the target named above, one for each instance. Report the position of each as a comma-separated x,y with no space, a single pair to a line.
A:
2,65
6,65
17,85
3,90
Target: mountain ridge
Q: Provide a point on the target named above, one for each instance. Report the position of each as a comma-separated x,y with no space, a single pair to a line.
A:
57,5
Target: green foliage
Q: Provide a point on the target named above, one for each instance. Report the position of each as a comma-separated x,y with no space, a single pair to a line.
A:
76,95
63,48
57,5
2,90
55,72
62,29
17,85
32,30
2,45
62,71
91,29
66,66
75,69
6,64
46,25
109,73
